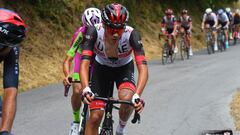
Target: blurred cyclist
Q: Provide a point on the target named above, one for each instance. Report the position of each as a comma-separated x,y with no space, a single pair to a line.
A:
210,21
90,17
12,33
236,22
169,26
185,23
223,21
230,17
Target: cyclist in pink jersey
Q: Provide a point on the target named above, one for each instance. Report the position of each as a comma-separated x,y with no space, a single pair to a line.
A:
90,17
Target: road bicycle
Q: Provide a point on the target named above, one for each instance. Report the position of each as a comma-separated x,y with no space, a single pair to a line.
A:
167,50
221,39
184,47
209,41
107,125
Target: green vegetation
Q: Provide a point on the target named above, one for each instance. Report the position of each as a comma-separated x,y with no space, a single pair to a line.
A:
51,24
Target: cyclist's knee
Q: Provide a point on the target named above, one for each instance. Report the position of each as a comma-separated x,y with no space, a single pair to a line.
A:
125,94
77,89
95,117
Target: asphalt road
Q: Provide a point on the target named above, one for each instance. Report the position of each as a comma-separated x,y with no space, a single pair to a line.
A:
184,98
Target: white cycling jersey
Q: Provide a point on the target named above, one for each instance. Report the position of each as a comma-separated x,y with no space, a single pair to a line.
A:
212,17
223,18
124,48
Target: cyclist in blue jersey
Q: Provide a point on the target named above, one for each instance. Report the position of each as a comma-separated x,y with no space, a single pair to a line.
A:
12,33
223,22
90,17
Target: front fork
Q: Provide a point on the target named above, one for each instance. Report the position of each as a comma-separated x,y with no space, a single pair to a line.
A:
108,122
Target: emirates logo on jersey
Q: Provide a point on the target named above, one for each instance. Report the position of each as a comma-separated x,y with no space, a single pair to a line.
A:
5,31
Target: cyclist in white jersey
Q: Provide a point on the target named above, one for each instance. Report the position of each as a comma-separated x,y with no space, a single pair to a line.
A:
223,22
210,21
113,42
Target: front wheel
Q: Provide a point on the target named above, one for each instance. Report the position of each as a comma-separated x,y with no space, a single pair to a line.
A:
184,51
165,54
84,116
209,47
172,55
106,132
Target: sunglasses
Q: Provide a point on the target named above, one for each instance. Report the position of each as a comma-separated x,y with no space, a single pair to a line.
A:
112,31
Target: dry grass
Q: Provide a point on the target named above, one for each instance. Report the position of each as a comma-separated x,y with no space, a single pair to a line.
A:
235,109
42,55
43,51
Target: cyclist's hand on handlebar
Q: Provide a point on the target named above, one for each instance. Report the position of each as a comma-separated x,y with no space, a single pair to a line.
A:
138,103
87,95
66,80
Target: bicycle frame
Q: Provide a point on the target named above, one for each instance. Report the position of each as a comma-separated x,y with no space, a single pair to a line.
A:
167,49
209,40
107,126
221,39
184,46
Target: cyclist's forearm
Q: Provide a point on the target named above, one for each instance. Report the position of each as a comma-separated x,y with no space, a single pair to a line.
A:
202,24
142,78
228,23
190,26
175,28
84,73
67,65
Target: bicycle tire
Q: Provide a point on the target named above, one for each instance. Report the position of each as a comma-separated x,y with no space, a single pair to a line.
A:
209,47
172,56
106,132
220,46
165,51
182,50
235,40
83,120
187,52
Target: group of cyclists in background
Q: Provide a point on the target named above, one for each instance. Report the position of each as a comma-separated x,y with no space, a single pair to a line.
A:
101,50
222,21
92,46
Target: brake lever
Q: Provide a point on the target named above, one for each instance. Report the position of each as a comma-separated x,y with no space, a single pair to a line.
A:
136,118
66,88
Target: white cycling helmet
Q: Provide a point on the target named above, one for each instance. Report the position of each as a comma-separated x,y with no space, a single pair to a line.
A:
91,16
228,9
208,10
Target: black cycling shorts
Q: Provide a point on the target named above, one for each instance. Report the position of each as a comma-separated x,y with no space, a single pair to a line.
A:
169,30
223,24
211,23
104,77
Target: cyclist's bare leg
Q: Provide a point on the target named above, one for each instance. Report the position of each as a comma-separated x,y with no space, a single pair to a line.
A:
76,98
125,110
214,34
93,122
174,39
9,108
76,101
189,39
226,36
